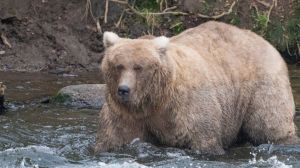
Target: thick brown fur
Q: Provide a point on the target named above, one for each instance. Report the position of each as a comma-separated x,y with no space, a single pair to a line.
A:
199,91
147,37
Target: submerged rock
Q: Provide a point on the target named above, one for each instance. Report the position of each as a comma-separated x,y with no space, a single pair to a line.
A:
82,96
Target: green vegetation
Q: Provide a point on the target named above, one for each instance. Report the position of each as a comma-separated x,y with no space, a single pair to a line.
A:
150,5
276,35
280,29
292,32
177,27
260,21
284,34
234,19
207,7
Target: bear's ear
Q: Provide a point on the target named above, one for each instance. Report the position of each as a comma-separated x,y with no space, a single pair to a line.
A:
161,43
110,38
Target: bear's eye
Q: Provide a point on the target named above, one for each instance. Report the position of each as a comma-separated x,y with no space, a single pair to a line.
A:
137,67
120,67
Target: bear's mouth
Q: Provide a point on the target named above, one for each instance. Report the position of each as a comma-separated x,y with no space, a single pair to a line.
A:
123,99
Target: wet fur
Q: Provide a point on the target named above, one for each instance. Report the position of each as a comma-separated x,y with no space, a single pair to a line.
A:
208,85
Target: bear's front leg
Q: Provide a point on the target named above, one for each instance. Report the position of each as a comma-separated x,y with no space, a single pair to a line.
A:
115,131
207,145
206,130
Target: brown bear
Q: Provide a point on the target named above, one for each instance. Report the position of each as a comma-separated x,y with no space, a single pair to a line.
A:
2,99
198,90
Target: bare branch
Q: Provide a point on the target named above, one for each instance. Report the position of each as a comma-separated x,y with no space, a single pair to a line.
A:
286,38
220,15
266,4
120,19
144,14
106,10
88,9
171,8
150,16
270,10
99,30
167,11
120,2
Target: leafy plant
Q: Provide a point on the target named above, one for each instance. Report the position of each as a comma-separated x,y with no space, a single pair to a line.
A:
177,27
235,20
260,22
149,5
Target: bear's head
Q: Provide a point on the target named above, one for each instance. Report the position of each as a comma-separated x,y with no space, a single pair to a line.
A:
138,72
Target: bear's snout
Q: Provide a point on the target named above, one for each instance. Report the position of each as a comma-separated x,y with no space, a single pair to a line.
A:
123,92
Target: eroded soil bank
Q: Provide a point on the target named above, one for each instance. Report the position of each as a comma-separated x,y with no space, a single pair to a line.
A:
47,36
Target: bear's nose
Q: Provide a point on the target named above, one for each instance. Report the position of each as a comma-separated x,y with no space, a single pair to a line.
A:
123,90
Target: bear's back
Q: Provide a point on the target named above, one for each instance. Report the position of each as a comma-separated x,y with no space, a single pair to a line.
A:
231,48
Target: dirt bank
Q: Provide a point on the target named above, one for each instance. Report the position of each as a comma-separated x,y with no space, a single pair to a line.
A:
47,35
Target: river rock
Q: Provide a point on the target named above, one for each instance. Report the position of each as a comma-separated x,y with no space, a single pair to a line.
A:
82,96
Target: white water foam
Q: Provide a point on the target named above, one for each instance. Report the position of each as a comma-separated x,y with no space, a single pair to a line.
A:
273,162
106,165
42,149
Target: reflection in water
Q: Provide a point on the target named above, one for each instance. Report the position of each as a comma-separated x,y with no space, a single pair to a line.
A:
43,135
29,86
294,72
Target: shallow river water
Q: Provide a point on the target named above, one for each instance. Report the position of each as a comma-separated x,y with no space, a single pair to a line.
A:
33,134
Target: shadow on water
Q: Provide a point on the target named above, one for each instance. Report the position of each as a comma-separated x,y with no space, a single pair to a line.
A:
44,135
